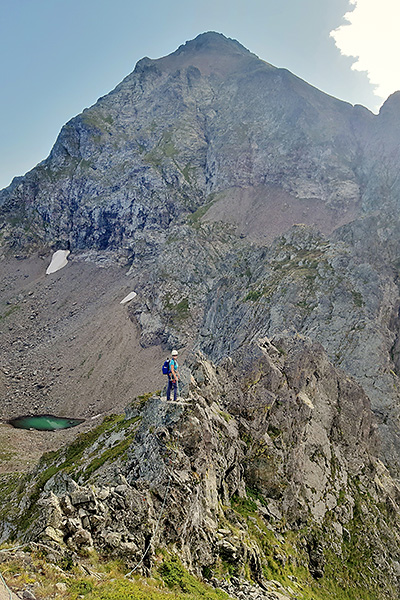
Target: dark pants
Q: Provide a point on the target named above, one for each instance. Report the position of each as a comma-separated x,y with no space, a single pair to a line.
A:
172,385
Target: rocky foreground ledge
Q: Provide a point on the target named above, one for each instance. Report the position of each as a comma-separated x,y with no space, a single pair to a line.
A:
263,473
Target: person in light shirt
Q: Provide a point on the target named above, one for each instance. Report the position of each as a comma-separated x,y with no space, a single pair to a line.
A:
173,375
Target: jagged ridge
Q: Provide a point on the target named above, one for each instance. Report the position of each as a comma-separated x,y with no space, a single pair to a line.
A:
266,466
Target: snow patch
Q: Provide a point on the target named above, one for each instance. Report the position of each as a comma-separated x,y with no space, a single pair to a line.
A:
58,261
128,298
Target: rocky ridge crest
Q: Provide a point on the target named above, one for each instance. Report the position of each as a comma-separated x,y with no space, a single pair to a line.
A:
265,467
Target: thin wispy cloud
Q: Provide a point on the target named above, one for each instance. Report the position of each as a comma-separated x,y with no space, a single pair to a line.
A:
370,34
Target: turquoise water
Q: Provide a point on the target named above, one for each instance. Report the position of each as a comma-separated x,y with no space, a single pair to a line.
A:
44,422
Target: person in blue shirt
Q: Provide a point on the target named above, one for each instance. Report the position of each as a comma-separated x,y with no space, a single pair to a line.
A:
173,375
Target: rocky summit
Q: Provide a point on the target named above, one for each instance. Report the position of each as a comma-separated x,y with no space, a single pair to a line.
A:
257,221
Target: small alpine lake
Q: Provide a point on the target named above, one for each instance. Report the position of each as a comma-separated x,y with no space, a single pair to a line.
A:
44,422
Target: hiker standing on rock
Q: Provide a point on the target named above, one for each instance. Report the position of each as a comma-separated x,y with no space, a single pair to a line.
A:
173,375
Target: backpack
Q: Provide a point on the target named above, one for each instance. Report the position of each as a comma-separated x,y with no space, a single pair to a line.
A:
165,367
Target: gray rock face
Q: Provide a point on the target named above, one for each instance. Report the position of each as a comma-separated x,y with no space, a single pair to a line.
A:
210,119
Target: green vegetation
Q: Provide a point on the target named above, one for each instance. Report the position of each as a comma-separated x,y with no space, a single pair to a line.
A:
273,432
71,460
75,451
226,416
254,295
9,483
350,573
109,455
255,495
95,119
172,572
64,171
244,506
356,571
189,172
81,588
105,580
176,577
166,144
9,311
177,312
306,306
144,398
357,299
299,266
28,221
164,149
84,164
195,218
5,454
182,309
153,159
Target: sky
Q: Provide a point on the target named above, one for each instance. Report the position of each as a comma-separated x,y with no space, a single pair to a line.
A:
58,57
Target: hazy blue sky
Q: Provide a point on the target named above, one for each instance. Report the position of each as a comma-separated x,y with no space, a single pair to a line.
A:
59,56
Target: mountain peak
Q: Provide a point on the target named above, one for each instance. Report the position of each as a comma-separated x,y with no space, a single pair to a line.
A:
212,53
391,106
212,40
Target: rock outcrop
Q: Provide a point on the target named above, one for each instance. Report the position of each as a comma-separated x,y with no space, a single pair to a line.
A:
270,458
